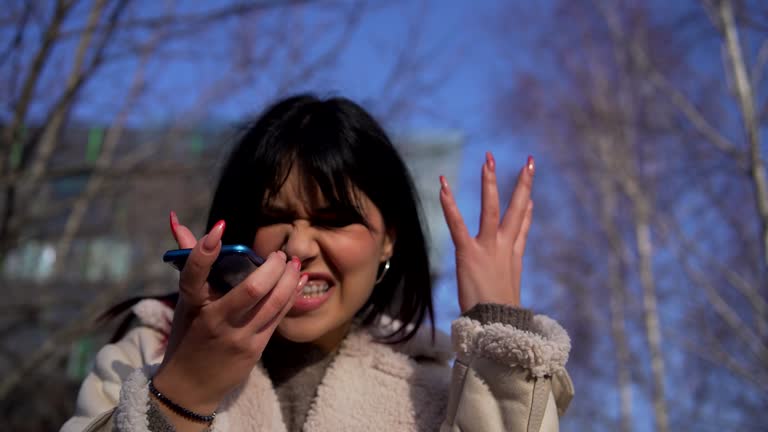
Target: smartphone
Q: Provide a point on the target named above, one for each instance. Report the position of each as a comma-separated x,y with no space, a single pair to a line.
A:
234,264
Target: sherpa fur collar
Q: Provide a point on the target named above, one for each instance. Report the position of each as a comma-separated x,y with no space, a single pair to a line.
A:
368,386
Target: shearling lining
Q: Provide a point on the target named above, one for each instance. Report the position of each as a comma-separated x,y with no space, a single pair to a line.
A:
543,350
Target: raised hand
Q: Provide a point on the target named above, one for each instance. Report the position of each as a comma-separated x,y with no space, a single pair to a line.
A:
489,265
216,340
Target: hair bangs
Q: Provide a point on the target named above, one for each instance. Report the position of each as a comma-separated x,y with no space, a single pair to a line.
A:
315,151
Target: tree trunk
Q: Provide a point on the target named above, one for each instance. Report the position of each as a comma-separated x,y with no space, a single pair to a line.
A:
617,292
745,96
651,313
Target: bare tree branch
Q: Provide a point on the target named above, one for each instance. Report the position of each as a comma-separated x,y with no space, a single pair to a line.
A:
690,248
10,133
187,22
628,181
104,161
745,96
713,353
760,61
52,346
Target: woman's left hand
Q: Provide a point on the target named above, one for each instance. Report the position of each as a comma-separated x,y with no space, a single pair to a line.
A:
489,266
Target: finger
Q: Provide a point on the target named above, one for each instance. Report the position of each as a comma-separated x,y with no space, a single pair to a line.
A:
513,219
183,236
519,246
253,289
268,310
453,218
270,327
489,215
195,272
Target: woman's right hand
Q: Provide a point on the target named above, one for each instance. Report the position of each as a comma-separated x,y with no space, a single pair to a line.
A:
216,340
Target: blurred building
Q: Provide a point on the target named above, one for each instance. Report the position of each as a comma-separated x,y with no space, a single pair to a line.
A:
429,155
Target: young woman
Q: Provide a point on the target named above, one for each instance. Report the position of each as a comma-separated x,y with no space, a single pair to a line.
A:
329,334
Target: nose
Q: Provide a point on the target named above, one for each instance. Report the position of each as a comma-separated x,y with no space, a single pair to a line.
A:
302,242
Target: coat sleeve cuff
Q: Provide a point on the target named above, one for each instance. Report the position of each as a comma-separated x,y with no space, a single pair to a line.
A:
157,420
131,413
488,313
543,350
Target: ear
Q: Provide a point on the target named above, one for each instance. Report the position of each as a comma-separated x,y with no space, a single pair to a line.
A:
388,246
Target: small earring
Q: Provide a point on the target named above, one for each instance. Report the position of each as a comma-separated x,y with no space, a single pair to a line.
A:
386,267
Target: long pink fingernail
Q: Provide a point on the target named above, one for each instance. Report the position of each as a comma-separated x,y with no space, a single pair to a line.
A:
174,221
443,183
214,236
490,161
302,282
296,262
530,165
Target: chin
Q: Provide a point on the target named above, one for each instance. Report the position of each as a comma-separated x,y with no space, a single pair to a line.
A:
302,329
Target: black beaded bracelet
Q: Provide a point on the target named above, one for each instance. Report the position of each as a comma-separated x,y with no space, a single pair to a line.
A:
178,409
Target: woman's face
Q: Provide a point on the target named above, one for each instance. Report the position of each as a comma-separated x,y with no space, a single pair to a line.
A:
340,256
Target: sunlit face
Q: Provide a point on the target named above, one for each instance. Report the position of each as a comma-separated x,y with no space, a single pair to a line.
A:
340,255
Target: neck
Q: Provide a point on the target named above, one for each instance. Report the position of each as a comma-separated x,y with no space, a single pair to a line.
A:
331,341
326,344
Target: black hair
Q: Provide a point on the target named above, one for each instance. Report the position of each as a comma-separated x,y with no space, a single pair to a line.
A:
342,149
339,147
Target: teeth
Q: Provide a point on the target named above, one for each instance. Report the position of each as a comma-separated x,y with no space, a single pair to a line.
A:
315,288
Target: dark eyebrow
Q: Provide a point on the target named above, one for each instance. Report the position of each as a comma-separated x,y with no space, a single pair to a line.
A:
328,210
277,211
287,213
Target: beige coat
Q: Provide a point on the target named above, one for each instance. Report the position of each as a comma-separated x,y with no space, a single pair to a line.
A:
503,379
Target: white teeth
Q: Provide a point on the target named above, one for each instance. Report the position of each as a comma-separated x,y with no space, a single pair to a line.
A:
315,288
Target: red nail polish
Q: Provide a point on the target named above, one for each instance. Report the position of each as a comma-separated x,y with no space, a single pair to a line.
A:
296,262
302,282
529,164
490,161
443,183
174,220
214,236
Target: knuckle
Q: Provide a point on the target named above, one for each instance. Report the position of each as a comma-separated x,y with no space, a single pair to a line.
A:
193,268
283,296
280,298
255,346
272,268
209,322
271,309
254,288
185,282
276,258
234,339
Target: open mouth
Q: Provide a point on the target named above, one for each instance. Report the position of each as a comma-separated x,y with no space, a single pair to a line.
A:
315,288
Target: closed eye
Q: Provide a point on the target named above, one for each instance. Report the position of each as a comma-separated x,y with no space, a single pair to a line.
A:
337,219
276,217
321,218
